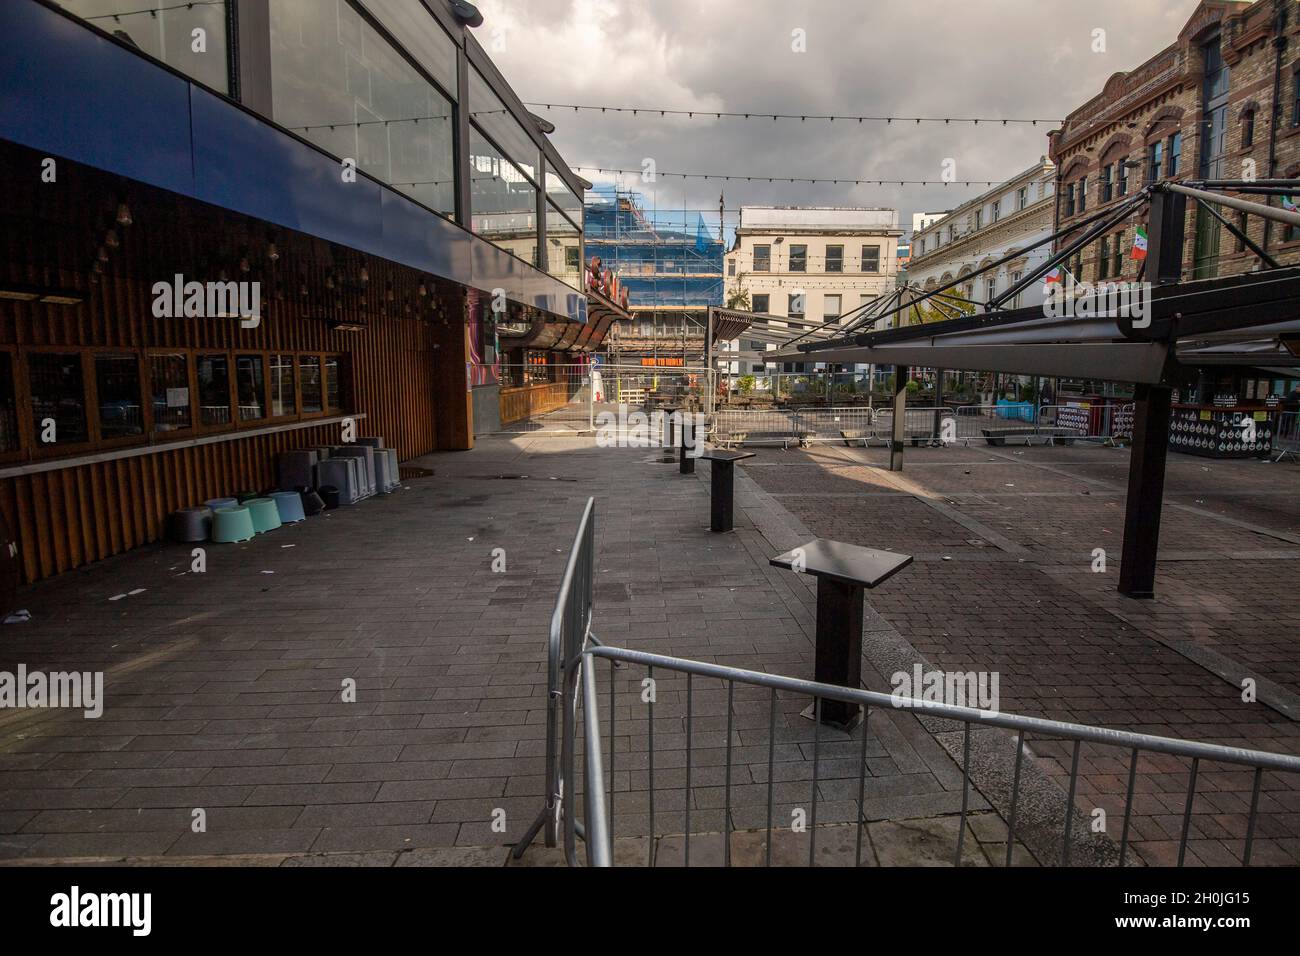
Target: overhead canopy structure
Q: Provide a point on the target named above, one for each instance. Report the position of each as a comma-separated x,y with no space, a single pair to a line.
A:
546,331
778,330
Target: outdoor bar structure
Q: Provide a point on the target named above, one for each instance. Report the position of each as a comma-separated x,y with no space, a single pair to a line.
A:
234,228
1250,319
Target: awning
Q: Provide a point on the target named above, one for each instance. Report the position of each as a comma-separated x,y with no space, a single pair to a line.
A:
548,332
1230,321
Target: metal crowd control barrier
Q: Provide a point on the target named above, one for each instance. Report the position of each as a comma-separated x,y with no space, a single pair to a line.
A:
569,633
804,426
573,650
1287,440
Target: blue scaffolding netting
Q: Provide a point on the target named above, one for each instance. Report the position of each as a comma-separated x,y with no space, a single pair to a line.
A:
667,260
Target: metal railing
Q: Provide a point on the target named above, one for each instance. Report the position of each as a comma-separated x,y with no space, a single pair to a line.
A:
787,426
1017,422
573,650
1287,439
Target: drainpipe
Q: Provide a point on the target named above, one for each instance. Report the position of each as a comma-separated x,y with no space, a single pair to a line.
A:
1279,114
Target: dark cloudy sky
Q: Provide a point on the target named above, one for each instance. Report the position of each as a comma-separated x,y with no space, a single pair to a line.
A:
1016,58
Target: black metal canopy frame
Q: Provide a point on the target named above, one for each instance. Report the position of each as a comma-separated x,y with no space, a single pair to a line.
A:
1145,338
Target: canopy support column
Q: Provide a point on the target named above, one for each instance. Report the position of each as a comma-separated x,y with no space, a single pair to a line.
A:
1146,491
901,373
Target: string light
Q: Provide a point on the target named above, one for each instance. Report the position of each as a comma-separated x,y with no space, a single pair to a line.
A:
802,117
837,181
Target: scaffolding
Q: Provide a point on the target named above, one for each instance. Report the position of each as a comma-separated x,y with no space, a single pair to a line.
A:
670,263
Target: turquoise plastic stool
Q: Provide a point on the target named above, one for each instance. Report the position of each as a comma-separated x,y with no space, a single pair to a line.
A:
266,516
289,504
215,503
231,525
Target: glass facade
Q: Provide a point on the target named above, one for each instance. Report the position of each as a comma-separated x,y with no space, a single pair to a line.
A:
503,200
563,247
337,82
189,37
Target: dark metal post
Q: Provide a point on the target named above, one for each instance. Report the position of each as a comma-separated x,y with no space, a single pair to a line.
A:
1146,485
900,414
1165,231
686,451
722,494
838,656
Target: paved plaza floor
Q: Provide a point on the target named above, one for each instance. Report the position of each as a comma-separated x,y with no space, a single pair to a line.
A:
225,689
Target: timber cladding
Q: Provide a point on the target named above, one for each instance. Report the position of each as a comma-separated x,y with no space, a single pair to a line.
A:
399,360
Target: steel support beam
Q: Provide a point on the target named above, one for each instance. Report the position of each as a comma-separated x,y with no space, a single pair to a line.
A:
901,374
1146,489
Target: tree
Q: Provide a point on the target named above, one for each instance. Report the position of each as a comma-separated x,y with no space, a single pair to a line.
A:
926,312
739,296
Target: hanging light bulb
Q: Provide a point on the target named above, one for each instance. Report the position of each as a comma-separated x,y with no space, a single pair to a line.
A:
96,268
391,295
329,280
272,252
102,254
365,274
424,290
243,264
110,239
124,214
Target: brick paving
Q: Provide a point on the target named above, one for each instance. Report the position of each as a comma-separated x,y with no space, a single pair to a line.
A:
224,688
1066,645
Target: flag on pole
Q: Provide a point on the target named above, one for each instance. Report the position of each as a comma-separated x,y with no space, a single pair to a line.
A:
1139,244
1054,276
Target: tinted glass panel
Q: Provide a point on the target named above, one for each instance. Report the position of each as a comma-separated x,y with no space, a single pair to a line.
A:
487,110
58,396
250,387
417,31
562,248
214,389
309,368
164,29
333,384
169,388
335,81
9,440
117,383
503,202
283,400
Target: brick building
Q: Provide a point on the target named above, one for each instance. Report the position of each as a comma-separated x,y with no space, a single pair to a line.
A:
1223,96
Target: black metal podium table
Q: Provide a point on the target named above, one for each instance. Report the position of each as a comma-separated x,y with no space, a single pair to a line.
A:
722,486
843,571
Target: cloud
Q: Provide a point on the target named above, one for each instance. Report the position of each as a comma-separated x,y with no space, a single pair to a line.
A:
991,58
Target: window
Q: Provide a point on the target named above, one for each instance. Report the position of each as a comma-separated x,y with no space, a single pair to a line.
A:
834,258
1248,128
1242,225
283,398
165,33
731,267
1117,263
1295,98
9,438
336,82
502,200
870,258
831,307
333,384
1015,280
572,259
312,395
1022,197
422,37
990,290
795,306
1069,200
1083,194
58,398
250,387
798,258
117,386
997,210
979,218
1103,261
1107,183
763,258
760,302
1155,160
1121,174
169,392
1176,152
214,389
562,240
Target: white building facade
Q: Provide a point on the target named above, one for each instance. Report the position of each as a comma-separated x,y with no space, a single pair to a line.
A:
1000,223
812,264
